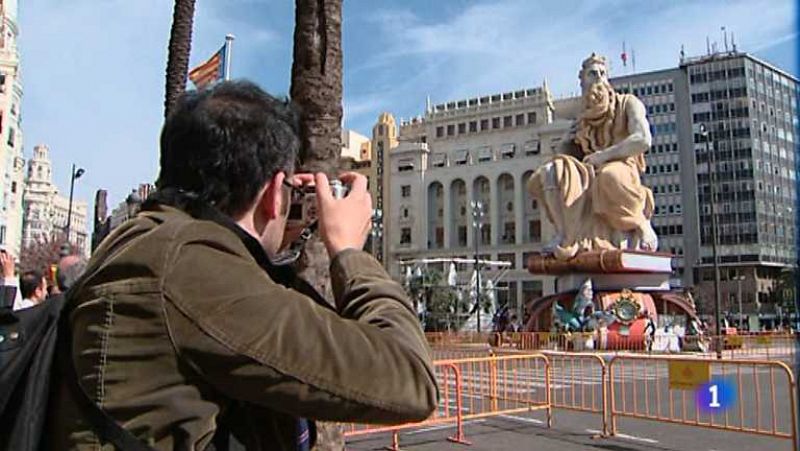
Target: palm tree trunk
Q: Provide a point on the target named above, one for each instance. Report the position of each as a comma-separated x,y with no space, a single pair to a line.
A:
180,45
317,89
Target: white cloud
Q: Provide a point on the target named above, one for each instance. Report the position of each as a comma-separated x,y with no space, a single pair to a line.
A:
503,45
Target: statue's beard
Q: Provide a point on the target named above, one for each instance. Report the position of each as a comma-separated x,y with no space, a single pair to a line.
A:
596,122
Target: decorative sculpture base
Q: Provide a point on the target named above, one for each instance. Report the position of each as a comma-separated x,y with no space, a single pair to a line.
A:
627,292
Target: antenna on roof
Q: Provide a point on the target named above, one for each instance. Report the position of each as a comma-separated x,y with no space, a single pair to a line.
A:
733,43
708,46
725,37
428,108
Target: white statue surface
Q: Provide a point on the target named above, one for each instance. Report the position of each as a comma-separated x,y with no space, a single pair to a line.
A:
592,189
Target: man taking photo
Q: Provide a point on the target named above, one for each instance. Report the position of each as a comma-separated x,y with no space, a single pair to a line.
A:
184,331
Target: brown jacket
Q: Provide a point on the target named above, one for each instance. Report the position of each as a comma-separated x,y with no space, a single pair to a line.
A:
176,325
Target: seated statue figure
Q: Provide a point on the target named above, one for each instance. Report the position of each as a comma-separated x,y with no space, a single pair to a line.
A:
592,189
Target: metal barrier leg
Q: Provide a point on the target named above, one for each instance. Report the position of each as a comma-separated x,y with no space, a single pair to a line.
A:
611,403
459,437
604,399
395,442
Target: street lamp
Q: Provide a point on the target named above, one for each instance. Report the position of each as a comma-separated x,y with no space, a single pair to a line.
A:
477,225
739,280
76,174
704,132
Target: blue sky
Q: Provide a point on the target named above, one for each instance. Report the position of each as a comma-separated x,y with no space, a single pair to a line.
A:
93,70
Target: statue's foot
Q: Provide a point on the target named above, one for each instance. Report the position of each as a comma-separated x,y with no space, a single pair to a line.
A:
646,238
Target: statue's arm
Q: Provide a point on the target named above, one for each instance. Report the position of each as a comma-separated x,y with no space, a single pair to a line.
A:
639,138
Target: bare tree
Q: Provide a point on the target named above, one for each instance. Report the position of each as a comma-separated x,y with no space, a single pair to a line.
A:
317,89
40,254
180,45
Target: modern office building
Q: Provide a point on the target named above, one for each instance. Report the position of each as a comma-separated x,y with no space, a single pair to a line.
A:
749,108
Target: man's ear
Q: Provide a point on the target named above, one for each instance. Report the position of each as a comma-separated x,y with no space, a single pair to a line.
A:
272,200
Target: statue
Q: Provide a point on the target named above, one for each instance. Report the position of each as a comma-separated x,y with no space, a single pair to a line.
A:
583,316
592,189
576,318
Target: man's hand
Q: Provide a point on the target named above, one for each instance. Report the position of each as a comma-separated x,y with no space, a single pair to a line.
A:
7,264
344,223
596,159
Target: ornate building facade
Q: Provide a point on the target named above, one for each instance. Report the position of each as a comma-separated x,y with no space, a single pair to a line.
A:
46,211
11,161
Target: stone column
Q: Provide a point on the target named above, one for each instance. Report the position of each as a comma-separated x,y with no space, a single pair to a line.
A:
470,185
519,208
447,222
494,211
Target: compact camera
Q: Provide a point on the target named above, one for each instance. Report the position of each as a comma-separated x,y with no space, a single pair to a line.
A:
303,209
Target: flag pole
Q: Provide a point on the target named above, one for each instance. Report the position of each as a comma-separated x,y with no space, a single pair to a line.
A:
226,65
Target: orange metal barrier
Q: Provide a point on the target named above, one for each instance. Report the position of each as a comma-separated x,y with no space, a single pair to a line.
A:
743,346
449,410
449,338
460,351
638,388
505,385
478,388
579,382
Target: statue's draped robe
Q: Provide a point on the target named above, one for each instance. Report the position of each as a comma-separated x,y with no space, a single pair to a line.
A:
599,206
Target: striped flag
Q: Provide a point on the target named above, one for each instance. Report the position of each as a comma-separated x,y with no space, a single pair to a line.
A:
210,71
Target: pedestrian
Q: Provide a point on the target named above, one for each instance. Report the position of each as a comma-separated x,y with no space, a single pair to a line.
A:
186,333
649,332
33,288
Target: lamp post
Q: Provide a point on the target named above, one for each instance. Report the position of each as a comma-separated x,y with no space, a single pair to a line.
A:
477,225
739,280
704,132
76,174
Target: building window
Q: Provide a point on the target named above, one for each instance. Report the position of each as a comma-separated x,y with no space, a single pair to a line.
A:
462,128
473,126
451,130
405,190
484,124
532,147
535,230
508,121
11,136
439,237
510,258
439,132
13,187
404,212
495,122
462,235
405,235
509,233
486,234
520,120
532,117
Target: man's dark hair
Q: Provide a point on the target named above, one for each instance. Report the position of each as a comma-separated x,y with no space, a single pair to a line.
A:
29,281
223,144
